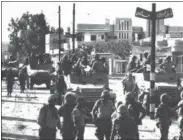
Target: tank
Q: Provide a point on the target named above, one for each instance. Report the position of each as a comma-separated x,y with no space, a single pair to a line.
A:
164,83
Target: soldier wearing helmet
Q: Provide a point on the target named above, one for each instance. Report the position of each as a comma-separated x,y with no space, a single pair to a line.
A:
167,65
48,120
136,110
65,111
164,114
101,114
124,126
180,117
97,66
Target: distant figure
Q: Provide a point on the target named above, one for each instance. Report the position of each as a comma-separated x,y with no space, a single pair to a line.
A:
97,66
33,61
22,79
48,120
105,65
61,88
129,85
9,81
167,65
66,65
124,127
132,66
83,65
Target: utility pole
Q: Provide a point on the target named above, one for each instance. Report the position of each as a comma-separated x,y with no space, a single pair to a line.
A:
73,29
153,56
59,42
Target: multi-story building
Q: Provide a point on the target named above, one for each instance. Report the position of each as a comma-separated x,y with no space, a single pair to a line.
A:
174,31
137,33
123,29
92,32
159,27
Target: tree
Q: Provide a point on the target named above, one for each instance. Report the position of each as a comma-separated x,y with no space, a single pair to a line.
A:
121,48
27,33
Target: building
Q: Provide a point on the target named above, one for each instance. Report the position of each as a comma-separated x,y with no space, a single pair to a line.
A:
160,29
123,29
92,32
120,30
174,31
137,33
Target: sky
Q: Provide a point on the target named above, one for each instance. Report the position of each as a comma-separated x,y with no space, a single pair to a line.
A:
87,12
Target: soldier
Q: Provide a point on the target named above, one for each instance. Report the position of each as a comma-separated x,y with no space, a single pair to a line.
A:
65,111
101,114
9,81
129,84
124,127
61,87
164,114
136,110
79,113
180,120
132,66
22,78
48,120
83,64
167,65
97,66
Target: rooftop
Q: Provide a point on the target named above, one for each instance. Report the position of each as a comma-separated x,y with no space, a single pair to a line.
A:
93,27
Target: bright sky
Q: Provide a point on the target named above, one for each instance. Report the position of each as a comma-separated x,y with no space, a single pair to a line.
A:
87,12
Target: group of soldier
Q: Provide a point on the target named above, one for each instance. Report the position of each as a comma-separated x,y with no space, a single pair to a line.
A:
112,122
164,66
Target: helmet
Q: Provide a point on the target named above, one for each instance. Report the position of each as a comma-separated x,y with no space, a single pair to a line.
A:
164,98
52,98
69,97
105,93
122,109
129,96
96,56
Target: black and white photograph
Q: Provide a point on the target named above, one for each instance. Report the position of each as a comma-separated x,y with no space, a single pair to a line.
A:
91,70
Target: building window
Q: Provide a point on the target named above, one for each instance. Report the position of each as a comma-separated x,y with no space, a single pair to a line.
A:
126,35
93,37
127,25
122,25
122,35
119,26
119,35
102,37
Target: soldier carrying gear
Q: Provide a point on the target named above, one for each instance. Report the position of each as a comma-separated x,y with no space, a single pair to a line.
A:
124,127
22,78
101,114
48,120
65,111
164,114
136,110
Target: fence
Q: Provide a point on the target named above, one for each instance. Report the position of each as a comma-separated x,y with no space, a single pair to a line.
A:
117,67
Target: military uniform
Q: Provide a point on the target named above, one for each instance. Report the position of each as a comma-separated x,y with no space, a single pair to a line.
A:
65,111
9,81
102,112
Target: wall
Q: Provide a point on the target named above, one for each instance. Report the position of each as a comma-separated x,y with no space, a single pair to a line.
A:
123,28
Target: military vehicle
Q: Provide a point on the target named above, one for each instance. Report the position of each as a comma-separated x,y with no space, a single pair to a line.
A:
40,75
